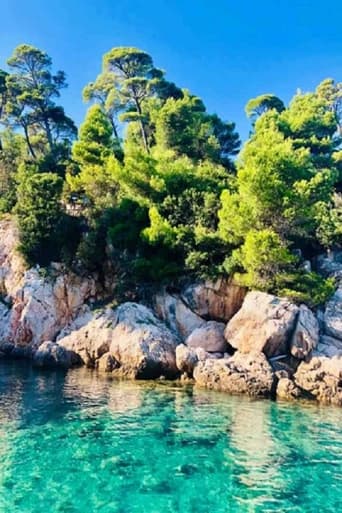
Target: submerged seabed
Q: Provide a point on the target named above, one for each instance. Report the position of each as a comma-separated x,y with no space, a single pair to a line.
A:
79,443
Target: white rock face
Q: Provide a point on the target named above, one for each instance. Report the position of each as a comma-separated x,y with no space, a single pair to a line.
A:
263,324
210,337
137,341
92,340
333,315
188,309
218,300
43,306
144,346
175,313
38,306
306,334
12,266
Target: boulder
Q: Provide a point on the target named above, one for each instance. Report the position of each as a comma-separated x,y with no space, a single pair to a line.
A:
139,343
218,300
188,308
264,323
51,355
186,359
306,334
143,346
176,314
241,373
106,363
333,315
321,378
92,340
287,389
210,337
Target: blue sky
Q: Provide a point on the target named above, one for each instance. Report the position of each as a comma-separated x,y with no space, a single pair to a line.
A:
225,51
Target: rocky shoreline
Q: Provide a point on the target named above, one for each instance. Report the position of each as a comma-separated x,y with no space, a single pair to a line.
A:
215,334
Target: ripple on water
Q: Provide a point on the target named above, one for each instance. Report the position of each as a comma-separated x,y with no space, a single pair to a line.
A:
77,443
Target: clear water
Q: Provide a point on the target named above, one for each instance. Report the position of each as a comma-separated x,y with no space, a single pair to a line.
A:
78,443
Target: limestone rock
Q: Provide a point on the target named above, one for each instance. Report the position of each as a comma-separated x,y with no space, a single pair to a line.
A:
106,363
242,373
286,389
218,300
143,346
51,355
333,315
306,334
175,313
209,337
93,340
186,359
263,324
321,378
12,265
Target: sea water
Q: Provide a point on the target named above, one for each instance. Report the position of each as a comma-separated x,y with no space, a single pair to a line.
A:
77,442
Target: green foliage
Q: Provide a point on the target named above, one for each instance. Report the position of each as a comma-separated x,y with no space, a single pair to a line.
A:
39,213
151,190
304,287
261,104
30,105
263,256
91,181
184,126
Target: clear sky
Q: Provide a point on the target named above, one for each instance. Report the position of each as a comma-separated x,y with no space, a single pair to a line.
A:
225,51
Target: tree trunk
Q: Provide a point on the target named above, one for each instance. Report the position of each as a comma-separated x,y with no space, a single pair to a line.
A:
142,126
27,138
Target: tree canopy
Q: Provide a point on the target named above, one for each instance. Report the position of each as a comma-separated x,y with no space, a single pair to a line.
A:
156,186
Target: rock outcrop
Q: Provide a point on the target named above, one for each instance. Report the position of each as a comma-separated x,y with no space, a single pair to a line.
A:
92,340
143,346
139,344
42,306
214,300
321,378
186,359
210,337
263,324
306,334
249,374
12,265
333,315
36,304
189,308
287,390
52,355
176,314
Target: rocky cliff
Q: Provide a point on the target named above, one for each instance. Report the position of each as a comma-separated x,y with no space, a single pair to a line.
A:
213,333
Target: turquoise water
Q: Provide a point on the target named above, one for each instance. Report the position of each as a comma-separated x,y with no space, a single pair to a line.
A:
78,443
